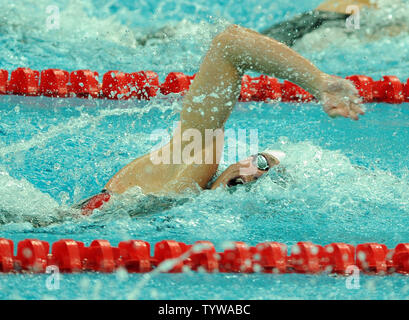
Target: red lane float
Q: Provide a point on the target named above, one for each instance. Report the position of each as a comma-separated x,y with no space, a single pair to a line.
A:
338,257
6,255
117,85
371,257
269,89
66,255
99,256
143,85
293,93
389,90
204,257
152,85
249,89
135,255
271,257
364,85
305,258
237,258
400,258
4,76
170,250
84,84
176,82
137,82
54,83
262,88
32,255
406,91
24,81
172,256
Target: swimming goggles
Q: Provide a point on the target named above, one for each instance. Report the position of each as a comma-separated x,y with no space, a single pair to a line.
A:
261,162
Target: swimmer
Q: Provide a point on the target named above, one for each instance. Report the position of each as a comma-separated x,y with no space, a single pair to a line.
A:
331,13
209,103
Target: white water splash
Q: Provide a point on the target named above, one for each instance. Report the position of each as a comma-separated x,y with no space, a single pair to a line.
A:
20,201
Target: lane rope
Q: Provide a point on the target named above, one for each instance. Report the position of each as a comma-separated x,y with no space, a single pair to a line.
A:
34,256
144,85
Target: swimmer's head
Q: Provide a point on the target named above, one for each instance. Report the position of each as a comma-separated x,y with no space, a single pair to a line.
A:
250,169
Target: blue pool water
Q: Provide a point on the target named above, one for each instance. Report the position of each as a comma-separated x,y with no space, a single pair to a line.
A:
349,180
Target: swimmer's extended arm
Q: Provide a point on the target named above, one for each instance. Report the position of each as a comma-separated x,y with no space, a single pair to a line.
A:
214,93
216,87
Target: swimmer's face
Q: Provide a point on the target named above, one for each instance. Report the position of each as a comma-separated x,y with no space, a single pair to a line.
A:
246,171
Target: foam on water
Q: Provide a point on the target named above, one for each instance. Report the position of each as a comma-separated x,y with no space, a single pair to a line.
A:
22,202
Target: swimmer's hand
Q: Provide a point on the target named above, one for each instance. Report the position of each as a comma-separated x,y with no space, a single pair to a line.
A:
339,97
